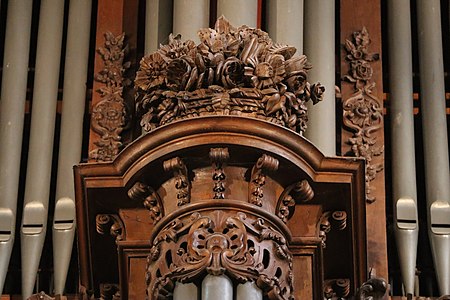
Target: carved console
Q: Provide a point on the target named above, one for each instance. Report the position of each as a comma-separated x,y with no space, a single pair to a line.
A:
223,183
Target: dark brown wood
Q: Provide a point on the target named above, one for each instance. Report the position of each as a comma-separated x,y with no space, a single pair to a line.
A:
355,16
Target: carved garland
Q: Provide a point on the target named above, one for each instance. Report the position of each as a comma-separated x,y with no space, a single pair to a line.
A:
218,157
109,115
362,111
218,242
264,164
233,71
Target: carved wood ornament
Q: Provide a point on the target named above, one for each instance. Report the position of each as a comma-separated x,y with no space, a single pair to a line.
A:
109,116
362,111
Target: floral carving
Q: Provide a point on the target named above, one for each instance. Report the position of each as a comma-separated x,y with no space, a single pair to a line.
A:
233,71
218,242
362,110
182,183
218,157
258,178
151,200
109,114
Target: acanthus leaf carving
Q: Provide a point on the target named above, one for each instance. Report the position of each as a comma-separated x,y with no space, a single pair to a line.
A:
362,110
264,164
109,115
150,199
242,247
182,182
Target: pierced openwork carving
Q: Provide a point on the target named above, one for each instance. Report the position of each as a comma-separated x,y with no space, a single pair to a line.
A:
362,110
233,71
149,197
373,289
108,223
338,221
296,193
264,164
336,288
218,157
245,248
109,115
182,183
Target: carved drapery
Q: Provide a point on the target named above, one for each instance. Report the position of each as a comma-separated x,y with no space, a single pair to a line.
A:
109,115
233,71
363,113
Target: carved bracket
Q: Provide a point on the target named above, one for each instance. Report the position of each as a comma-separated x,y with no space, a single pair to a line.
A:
182,183
296,193
109,292
217,242
109,114
150,198
362,110
264,164
373,289
108,223
218,157
338,221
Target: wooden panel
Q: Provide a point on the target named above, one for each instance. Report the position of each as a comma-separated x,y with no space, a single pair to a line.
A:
303,274
355,15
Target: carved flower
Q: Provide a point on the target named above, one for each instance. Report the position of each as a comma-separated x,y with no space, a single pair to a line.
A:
221,39
151,73
361,70
316,92
363,112
265,74
180,74
231,72
177,48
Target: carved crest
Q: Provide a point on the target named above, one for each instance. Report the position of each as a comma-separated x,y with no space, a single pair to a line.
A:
362,111
233,71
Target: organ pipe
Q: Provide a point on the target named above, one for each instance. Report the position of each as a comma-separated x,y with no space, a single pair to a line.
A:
435,137
13,95
239,12
189,16
71,136
45,93
217,287
158,23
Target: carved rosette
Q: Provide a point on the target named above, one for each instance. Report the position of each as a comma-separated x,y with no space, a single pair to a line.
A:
244,247
233,71
109,115
362,110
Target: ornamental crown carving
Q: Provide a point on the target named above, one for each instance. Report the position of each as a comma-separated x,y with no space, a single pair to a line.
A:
233,71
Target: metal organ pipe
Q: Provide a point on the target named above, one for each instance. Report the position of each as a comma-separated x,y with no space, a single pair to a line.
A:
189,16
285,22
239,12
402,138
217,288
71,136
437,177
37,188
319,22
248,291
185,291
158,23
13,95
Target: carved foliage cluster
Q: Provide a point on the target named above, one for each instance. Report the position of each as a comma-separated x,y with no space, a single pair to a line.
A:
233,71
362,110
243,247
109,114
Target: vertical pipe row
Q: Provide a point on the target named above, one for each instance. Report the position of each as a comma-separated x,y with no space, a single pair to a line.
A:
402,139
319,46
239,12
435,137
189,16
158,23
38,177
71,136
12,104
285,22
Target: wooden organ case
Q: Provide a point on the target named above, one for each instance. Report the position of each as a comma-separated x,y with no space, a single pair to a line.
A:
222,183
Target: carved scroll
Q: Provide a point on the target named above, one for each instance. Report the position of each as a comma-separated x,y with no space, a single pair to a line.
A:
338,221
109,115
218,157
336,288
264,164
233,71
295,193
362,110
151,200
373,289
182,183
108,223
220,242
